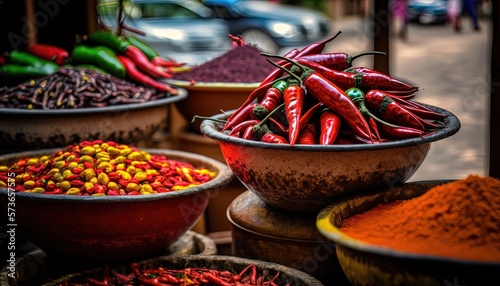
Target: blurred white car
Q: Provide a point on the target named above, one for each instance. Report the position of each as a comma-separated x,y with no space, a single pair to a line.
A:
184,30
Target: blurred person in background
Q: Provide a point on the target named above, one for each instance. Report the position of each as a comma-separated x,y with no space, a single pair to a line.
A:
470,7
454,11
399,18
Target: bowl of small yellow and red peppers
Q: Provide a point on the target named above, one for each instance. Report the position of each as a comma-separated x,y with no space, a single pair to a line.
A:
105,200
317,129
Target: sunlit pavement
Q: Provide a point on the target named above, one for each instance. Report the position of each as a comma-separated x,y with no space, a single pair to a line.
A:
452,71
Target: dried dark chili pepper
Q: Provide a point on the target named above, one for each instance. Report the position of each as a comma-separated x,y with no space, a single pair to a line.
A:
336,61
332,97
308,134
329,124
390,110
293,96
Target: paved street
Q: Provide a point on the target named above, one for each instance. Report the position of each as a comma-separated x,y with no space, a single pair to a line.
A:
452,71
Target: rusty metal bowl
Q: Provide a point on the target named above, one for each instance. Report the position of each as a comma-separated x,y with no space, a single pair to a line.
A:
305,178
113,227
28,129
368,265
209,98
230,263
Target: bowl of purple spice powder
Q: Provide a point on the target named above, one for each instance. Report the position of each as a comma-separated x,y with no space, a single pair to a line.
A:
222,83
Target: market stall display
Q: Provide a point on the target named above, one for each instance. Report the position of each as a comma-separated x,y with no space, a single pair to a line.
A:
102,200
422,233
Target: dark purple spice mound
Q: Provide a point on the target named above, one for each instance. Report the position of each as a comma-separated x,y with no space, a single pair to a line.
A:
239,64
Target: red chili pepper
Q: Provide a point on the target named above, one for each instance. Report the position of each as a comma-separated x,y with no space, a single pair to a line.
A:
248,134
256,94
166,63
274,138
277,127
293,97
237,41
419,109
143,63
336,61
213,278
308,134
343,80
271,100
308,115
313,48
49,52
390,110
374,128
139,77
334,98
371,79
400,132
329,123
2,60
243,126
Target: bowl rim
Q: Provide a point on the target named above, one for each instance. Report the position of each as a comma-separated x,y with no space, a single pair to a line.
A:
326,227
223,177
181,95
216,86
211,128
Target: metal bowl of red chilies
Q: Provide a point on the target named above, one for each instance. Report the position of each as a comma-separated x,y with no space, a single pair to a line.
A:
304,178
110,227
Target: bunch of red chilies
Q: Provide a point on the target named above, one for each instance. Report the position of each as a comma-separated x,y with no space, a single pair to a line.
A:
320,98
188,276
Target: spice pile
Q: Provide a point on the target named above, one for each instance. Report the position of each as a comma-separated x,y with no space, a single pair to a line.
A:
102,168
73,87
459,219
242,64
319,98
187,276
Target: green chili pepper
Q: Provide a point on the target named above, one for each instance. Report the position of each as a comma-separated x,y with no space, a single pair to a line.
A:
109,40
149,51
99,56
26,59
18,72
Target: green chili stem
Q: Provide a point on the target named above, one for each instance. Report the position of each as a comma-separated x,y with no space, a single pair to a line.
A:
367,53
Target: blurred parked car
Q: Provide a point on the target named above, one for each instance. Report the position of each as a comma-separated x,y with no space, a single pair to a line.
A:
184,30
271,26
427,12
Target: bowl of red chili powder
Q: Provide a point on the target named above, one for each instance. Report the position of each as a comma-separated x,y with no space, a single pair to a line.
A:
104,200
221,83
419,233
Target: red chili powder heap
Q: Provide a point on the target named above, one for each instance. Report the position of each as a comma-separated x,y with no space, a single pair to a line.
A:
459,219
240,64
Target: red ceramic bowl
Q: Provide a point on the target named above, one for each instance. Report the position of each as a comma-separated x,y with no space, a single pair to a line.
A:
113,227
305,178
